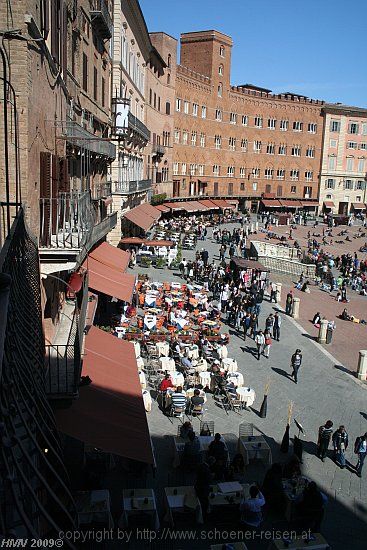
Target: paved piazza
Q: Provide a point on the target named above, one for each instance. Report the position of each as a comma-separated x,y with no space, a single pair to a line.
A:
326,390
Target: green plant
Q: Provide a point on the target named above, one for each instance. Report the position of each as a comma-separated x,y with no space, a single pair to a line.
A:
105,328
158,199
160,263
179,253
145,262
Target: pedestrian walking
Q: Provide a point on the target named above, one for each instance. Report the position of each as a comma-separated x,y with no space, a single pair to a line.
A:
325,433
296,362
269,322
360,449
267,343
273,292
253,325
246,322
289,303
340,444
259,341
276,327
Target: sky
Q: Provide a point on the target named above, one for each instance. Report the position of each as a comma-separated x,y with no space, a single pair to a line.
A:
317,48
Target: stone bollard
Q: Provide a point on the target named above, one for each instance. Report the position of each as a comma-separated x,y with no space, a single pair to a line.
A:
322,331
295,308
362,365
278,291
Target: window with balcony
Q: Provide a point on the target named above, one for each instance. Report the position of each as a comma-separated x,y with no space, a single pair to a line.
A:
296,151
203,111
297,126
232,118
308,175
270,148
244,120
242,172
335,126
218,115
244,145
177,136
361,165
257,146
284,125
350,163
230,172
216,170
294,175
269,173
353,128
312,128
280,174
183,168
202,140
232,143
217,142
282,149
175,168
178,104
195,109
272,123
186,107
185,137
258,121
310,152
193,138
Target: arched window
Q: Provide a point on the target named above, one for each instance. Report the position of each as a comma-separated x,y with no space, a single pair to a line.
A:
220,70
221,51
168,108
168,78
220,90
169,60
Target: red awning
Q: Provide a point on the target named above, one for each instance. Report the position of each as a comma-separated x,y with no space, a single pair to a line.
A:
139,242
271,203
111,256
174,205
290,204
310,203
222,204
268,195
162,208
329,204
109,413
144,216
358,205
109,280
209,204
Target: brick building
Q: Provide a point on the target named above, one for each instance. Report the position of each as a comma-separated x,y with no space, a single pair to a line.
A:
240,141
160,96
344,166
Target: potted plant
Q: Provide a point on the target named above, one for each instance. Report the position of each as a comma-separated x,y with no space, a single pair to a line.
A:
145,262
160,263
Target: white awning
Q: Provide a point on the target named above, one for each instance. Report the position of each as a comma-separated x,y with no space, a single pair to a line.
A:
54,267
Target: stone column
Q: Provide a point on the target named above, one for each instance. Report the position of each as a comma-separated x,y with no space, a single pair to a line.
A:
362,365
278,291
295,308
322,331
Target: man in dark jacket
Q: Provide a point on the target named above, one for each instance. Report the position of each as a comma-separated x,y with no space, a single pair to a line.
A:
340,444
276,327
325,433
296,362
289,303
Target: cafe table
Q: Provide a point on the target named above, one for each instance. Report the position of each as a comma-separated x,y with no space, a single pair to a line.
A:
177,378
182,499
229,365
236,378
167,364
317,542
247,395
139,502
254,447
205,378
192,352
162,349
222,351
94,507
179,446
228,494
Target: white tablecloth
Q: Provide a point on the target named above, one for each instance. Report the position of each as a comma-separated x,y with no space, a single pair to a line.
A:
177,378
229,365
176,286
147,400
87,512
201,365
222,352
246,395
192,352
140,363
143,381
167,363
251,449
163,349
137,348
205,378
139,496
236,378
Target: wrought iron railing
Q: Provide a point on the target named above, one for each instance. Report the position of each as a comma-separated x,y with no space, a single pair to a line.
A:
80,137
35,500
101,17
101,191
137,126
132,186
